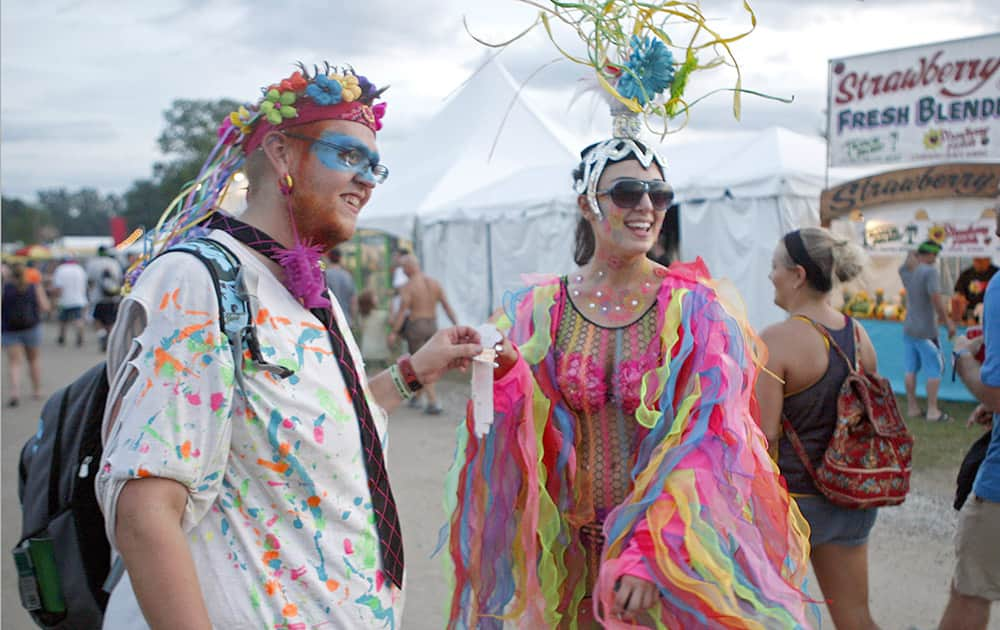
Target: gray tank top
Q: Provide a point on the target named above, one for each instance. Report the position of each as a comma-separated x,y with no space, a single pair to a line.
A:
813,414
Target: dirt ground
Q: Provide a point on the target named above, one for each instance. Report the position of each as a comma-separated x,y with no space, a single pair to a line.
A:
911,555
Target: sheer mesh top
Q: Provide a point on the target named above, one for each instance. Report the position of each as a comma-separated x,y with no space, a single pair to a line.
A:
599,371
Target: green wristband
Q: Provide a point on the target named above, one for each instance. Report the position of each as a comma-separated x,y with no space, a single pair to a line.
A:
397,380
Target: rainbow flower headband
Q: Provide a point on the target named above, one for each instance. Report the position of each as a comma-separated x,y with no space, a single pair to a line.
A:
327,93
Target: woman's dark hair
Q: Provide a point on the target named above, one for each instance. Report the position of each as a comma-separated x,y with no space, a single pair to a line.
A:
18,276
585,242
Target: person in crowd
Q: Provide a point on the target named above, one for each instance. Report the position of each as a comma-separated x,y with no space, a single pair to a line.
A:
624,478
374,326
104,274
69,281
399,280
925,307
253,493
341,283
416,318
32,274
976,582
24,303
970,287
802,383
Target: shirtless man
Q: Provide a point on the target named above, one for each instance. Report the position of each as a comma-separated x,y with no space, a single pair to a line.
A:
418,308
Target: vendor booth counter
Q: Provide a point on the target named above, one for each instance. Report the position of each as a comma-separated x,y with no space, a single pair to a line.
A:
887,337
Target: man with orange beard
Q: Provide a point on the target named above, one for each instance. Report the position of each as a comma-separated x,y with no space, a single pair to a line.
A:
255,494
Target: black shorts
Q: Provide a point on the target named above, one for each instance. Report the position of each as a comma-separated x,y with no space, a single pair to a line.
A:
106,312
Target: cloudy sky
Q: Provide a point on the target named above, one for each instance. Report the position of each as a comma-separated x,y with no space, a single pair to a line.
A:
83,83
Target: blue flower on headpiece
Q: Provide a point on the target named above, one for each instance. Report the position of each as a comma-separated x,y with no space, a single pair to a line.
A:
648,71
324,90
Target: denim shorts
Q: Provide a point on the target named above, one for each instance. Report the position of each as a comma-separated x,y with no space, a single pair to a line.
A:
70,313
29,337
830,524
922,355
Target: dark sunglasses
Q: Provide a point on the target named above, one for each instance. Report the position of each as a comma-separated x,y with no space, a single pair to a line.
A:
352,157
627,193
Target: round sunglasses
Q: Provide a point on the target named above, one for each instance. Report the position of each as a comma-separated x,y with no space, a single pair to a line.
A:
627,193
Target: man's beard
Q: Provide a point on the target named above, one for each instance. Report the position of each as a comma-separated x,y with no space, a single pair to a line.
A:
318,222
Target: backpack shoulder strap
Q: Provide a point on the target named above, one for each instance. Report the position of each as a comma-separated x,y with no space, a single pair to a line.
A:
226,271
852,364
800,449
234,304
857,345
235,315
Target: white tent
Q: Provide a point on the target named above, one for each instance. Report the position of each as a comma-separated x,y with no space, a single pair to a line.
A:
484,189
738,196
480,246
484,133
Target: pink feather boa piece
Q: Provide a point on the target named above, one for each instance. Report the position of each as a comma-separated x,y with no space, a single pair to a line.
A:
303,274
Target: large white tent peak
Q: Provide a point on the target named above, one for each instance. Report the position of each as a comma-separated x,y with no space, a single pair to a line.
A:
484,133
738,196
772,161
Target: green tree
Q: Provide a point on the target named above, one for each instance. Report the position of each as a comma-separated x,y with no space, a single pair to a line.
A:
83,212
21,221
190,133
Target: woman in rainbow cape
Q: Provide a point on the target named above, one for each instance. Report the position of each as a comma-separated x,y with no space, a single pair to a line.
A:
624,480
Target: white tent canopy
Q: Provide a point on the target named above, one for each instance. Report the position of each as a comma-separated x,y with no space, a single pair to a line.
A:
483,134
481,251
738,197
485,190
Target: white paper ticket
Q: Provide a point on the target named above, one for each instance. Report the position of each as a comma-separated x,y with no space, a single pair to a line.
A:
482,380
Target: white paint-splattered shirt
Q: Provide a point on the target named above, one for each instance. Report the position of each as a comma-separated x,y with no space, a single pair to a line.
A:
279,516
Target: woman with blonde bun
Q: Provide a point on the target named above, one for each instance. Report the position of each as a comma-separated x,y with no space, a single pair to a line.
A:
811,372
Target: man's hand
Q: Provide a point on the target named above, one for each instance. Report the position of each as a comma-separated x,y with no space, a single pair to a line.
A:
980,415
633,596
964,343
392,338
449,349
951,328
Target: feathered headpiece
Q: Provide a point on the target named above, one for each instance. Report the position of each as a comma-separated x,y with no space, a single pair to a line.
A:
631,50
325,93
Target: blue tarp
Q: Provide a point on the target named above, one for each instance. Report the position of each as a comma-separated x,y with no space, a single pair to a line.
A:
887,337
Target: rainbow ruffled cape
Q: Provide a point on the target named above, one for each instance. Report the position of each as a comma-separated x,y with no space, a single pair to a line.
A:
709,520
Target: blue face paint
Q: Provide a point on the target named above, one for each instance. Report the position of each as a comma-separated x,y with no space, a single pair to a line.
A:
342,152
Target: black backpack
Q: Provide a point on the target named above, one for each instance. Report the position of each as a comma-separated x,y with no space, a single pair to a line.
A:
970,467
20,311
63,557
